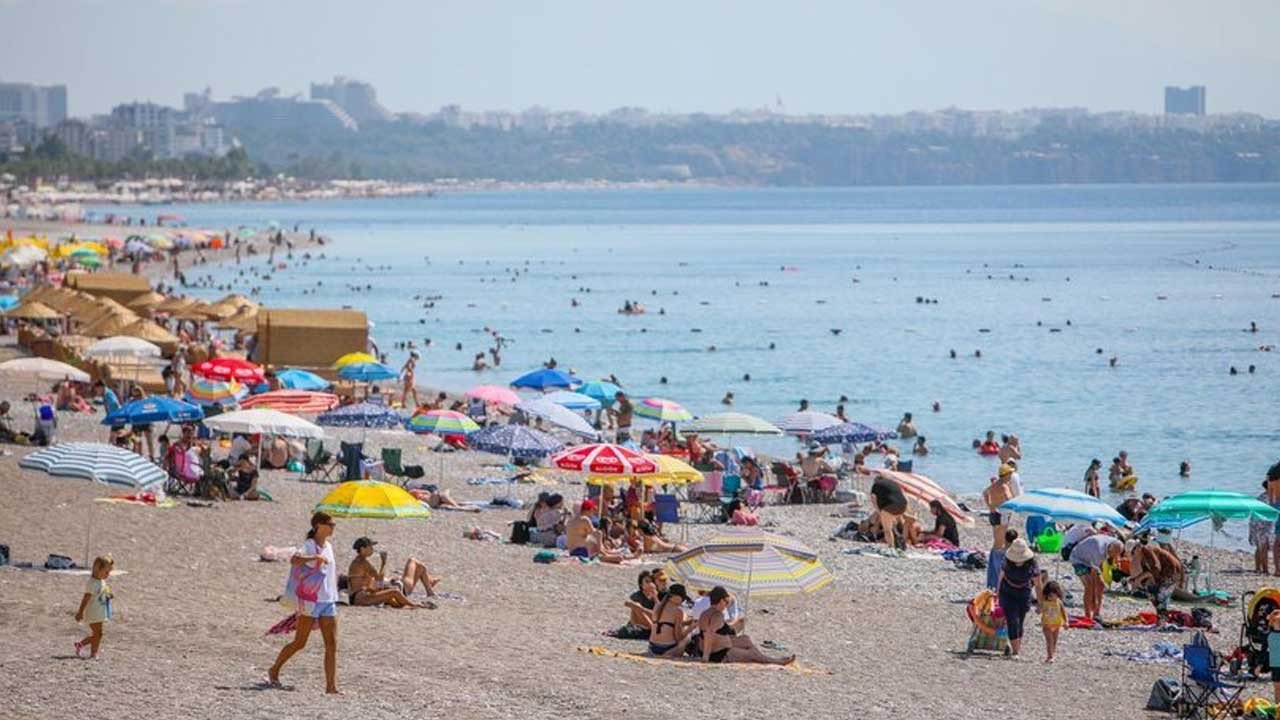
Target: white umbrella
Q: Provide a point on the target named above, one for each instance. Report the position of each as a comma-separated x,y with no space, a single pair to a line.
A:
557,415
36,368
23,256
807,422
263,421
122,346
731,423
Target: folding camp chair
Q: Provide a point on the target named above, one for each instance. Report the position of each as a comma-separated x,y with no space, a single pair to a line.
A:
1204,694
351,458
666,509
317,464
391,459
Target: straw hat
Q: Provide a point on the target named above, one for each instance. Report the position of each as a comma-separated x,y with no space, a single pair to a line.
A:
1019,552
1005,470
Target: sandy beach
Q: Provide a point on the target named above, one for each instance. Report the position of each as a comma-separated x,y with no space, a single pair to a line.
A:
193,601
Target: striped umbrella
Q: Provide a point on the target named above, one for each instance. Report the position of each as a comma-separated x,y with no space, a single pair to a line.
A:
925,490
352,358
732,423
206,392
664,410
97,462
441,422
604,459
1063,504
572,400
749,561
295,402
229,368
366,372
494,394
807,422
371,499
515,441
671,471
365,414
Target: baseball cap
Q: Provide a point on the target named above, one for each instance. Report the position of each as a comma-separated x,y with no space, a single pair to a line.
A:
363,542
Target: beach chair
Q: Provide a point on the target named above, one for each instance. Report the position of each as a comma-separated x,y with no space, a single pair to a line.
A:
184,475
1204,693
351,459
666,509
705,497
391,465
317,463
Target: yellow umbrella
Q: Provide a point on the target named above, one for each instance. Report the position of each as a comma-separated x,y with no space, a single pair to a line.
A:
353,357
372,499
671,471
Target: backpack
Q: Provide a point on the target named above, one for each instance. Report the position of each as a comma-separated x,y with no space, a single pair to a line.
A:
519,532
1165,694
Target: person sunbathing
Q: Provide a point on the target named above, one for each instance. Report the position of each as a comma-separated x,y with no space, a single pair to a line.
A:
367,586
440,499
739,514
654,542
721,643
583,540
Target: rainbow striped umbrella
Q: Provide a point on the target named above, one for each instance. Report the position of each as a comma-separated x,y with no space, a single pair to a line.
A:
206,392
663,410
441,422
372,499
749,561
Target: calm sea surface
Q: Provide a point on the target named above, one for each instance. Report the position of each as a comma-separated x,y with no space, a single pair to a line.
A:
1052,273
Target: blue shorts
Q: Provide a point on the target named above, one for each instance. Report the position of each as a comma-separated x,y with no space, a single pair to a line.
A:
580,552
1081,569
319,609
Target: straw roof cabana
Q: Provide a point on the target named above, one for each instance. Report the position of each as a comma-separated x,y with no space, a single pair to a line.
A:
198,311
309,338
174,304
152,333
246,320
33,310
147,300
110,324
122,287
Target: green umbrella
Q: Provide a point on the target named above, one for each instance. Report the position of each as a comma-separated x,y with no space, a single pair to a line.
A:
1212,503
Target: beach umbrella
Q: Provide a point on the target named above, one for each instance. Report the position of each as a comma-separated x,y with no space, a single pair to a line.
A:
206,392
229,368
371,499
365,415
122,346
925,490
557,415
807,422
601,390
33,310
367,372
545,378
42,369
1063,504
1212,504
731,423
671,471
137,247
572,400
662,410
23,256
493,394
294,402
604,459
514,441
751,562
441,422
294,379
9,302
264,421
352,358
851,433
152,410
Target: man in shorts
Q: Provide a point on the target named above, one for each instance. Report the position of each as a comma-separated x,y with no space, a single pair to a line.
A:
1086,560
1000,491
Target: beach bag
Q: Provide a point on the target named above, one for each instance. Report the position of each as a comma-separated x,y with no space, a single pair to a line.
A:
303,585
546,557
4,555
59,562
519,532
1164,695
1202,618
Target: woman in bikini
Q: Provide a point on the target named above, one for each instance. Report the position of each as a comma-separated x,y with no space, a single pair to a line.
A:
670,625
366,586
721,643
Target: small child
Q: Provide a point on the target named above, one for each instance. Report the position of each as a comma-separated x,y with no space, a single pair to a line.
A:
95,606
1273,651
1053,616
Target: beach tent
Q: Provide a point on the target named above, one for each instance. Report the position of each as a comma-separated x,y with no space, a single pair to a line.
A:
309,338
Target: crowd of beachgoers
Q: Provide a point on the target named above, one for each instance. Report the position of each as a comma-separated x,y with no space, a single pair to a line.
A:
882,585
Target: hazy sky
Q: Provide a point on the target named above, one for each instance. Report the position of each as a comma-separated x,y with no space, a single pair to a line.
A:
838,56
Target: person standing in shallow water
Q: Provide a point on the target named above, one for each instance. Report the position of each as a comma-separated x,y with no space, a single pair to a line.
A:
320,575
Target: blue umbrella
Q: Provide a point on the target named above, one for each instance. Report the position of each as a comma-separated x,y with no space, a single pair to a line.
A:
365,414
154,409
367,372
545,378
601,390
8,302
517,441
1063,504
295,379
572,400
851,432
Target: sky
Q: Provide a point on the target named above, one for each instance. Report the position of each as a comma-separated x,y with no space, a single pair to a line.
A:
819,56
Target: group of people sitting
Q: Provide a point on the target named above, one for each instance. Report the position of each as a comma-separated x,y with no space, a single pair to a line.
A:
710,628
619,532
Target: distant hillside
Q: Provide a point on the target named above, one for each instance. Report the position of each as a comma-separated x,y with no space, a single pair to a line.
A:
768,153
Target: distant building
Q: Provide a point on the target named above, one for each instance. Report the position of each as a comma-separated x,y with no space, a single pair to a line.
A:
1184,101
156,125
267,110
358,99
77,136
42,106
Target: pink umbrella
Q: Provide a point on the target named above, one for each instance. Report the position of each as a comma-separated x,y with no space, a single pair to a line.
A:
604,459
494,394
925,490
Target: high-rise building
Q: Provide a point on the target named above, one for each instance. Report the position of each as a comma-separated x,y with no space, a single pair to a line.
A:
42,106
1184,101
359,99
156,125
268,109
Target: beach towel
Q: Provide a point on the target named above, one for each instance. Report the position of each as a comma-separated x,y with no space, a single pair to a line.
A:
1161,653
697,664
286,626
144,498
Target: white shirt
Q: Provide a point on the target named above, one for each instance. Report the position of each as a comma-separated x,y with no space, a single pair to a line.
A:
1015,484
239,446
1076,533
328,592
703,604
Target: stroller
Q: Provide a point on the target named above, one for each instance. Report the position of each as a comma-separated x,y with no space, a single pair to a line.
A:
989,631
1251,655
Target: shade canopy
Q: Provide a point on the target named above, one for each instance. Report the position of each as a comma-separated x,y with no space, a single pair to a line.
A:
366,372
1213,503
493,394
98,462
122,346
294,379
516,441
371,499
572,400
751,562
207,393
352,358
33,310
925,490
294,402
441,422
663,410
602,390
230,368
731,423
42,369
671,471
1063,504
263,421
545,378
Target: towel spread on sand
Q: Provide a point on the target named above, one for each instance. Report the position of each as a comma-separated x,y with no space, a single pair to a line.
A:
145,498
1160,653
692,663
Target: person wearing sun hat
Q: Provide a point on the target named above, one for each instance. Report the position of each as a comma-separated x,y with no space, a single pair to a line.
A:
1018,577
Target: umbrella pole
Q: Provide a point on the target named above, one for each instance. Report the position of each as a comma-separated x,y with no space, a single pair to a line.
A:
751,557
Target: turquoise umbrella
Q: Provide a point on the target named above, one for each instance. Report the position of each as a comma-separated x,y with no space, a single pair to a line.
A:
1212,503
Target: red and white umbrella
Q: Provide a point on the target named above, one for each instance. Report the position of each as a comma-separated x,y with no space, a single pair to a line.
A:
925,490
604,459
229,368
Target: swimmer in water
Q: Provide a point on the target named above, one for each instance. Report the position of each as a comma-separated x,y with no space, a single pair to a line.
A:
728,399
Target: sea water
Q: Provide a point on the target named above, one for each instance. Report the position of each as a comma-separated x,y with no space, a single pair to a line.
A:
1165,279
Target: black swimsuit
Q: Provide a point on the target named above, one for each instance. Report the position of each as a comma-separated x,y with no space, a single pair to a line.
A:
719,655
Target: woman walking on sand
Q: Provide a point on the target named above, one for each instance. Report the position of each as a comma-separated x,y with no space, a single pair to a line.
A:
409,388
313,580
